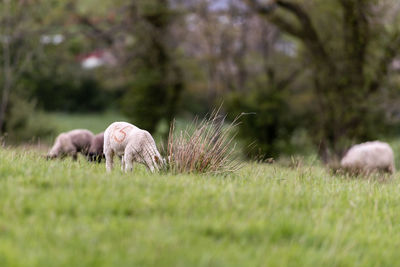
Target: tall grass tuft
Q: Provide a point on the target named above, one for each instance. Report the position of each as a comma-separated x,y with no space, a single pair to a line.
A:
205,146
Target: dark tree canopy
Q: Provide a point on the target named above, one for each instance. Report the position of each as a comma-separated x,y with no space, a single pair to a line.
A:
349,51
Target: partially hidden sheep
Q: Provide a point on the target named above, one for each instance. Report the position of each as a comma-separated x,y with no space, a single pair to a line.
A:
96,148
132,145
369,157
71,143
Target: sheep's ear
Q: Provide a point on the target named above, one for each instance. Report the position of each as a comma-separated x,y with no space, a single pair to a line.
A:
157,159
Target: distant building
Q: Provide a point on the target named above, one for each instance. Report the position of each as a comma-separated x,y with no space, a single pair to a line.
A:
97,59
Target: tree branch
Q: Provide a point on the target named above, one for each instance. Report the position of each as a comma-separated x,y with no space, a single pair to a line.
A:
290,78
306,32
390,52
356,35
108,38
286,26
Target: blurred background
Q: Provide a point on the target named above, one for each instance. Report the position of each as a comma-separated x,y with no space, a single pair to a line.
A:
305,76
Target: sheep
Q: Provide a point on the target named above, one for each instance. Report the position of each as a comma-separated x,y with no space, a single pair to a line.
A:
96,148
131,144
368,157
70,143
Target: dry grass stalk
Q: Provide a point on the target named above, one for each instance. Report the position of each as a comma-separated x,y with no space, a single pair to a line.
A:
205,146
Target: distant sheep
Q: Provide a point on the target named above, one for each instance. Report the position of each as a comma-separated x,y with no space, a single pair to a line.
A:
131,144
96,148
368,157
71,143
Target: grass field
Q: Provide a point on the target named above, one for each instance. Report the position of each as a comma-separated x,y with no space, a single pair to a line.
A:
64,213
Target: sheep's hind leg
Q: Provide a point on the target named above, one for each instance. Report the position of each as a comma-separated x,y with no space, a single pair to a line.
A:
149,163
122,163
73,154
128,162
109,160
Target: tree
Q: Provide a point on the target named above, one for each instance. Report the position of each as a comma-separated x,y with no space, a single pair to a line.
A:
15,50
157,77
21,26
349,48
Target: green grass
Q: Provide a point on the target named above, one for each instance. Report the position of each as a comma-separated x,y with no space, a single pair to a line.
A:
64,213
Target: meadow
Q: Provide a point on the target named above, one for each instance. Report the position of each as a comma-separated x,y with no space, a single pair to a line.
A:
65,213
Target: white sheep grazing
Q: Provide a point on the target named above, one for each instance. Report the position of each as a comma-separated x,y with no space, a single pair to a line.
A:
368,157
131,144
70,143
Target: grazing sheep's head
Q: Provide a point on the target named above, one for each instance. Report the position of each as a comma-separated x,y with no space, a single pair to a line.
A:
160,161
92,156
51,156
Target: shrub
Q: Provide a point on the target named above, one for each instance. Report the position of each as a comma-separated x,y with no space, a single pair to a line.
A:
205,146
146,91
269,125
25,123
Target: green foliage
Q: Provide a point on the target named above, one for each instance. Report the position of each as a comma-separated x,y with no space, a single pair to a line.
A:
267,123
25,123
157,79
58,82
40,76
68,91
144,102
349,49
64,213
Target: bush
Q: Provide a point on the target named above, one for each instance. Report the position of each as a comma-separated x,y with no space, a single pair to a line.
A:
267,123
24,123
203,147
62,90
144,101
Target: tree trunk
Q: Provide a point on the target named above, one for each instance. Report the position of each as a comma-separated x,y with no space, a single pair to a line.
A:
7,72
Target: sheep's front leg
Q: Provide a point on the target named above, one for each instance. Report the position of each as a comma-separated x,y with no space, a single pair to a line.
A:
109,160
